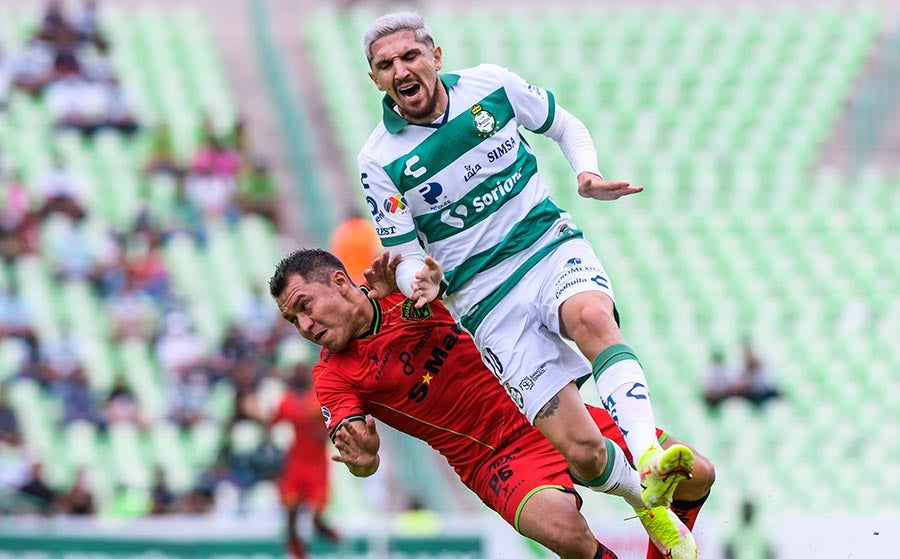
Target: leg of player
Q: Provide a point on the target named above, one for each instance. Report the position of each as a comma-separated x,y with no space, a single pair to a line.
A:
691,493
558,421
295,545
566,423
588,318
551,518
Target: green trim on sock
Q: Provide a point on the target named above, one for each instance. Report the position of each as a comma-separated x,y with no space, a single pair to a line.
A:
662,438
610,356
529,495
607,471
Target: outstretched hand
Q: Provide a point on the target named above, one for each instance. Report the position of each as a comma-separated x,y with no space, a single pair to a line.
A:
358,446
593,186
427,285
382,276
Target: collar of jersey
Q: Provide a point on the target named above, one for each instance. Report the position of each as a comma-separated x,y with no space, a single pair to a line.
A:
376,316
393,122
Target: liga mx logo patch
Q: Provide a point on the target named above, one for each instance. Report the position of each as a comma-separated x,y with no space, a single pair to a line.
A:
409,312
485,122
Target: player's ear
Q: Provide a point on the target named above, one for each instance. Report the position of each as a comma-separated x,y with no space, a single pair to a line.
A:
438,58
375,81
341,281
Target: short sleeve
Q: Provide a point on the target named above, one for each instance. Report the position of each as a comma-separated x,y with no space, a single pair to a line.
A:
337,397
393,221
535,106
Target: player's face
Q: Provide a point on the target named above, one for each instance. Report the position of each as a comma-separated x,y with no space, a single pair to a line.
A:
321,312
407,70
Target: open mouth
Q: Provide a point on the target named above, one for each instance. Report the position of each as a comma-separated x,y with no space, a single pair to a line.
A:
410,90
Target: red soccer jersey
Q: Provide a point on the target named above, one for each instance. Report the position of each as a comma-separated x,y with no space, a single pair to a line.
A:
410,360
308,456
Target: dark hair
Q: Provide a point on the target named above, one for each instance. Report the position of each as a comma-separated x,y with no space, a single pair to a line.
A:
315,265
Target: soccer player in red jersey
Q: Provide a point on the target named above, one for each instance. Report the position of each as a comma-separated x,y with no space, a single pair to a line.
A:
417,371
303,481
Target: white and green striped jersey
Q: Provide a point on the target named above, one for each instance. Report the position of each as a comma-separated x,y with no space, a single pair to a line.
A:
468,185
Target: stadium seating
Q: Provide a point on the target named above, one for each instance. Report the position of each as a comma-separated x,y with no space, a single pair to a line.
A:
737,235
168,62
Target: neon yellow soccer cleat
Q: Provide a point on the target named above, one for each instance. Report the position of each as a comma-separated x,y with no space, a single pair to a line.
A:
661,470
670,536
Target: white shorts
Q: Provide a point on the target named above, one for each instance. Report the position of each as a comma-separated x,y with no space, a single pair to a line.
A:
520,339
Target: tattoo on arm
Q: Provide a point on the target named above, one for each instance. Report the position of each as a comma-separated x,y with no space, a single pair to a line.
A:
549,408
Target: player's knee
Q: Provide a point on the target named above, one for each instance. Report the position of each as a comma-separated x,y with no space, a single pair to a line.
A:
704,473
570,537
702,479
587,456
592,318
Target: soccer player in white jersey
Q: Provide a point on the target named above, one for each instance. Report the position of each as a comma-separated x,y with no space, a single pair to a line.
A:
449,171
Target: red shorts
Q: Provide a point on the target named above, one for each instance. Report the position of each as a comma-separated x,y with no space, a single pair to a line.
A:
520,470
297,486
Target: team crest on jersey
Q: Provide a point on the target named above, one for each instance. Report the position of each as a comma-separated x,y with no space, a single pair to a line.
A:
409,312
485,122
515,395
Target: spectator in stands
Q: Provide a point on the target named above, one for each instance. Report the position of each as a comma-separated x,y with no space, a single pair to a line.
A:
87,25
7,74
55,27
754,383
9,425
118,106
16,313
213,193
62,354
61,191
121,406
78,500
33,66
40,495
217,157
162,497
18,227
132,311
74,102
146,263
67,249
78,403
178,348
256,318
258,192
161,157
718,382
356,244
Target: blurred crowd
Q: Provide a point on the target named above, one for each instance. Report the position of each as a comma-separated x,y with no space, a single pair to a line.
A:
65,66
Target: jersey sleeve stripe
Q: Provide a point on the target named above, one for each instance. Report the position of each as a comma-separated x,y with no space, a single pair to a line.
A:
399,239
345,420
551,113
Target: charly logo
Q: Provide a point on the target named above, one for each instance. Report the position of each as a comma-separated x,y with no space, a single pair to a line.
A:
485,122
414,173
